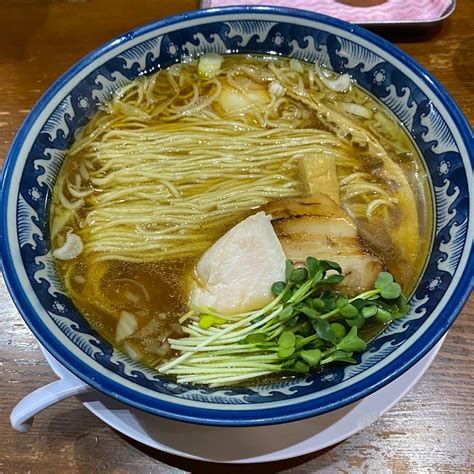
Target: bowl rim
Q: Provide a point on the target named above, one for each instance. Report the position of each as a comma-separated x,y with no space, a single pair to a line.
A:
179,411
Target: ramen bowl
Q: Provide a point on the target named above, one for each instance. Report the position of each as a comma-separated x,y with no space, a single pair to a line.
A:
435,123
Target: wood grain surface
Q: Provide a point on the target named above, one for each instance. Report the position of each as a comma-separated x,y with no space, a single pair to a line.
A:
430,430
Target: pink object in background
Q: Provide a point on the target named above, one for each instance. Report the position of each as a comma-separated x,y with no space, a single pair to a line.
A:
360,11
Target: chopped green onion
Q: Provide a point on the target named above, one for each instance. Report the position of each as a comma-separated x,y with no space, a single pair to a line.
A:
296,66
207,320
209,65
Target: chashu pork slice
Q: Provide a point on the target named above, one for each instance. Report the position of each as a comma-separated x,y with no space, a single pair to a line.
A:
316,226
235,275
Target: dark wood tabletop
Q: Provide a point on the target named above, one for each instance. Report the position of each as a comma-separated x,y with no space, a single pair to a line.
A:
430,430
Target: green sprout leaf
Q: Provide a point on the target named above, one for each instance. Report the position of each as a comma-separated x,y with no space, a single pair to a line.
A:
329,302
278,287
300,342
311,357
369,311
312,264
318,304
286,313
352,342
349,311
299,275
403,307
286,295
256,338
341,301
373,297
383,316
310,312
358,303
285,365
339,356
317,278
391,292
358,321
288,270
293,322
383,279
339,330
333,279
324,331
300,367
286,344
287,339
326,265
285,352
306,329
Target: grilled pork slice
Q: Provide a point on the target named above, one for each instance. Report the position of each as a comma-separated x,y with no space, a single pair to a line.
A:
236,274
317,226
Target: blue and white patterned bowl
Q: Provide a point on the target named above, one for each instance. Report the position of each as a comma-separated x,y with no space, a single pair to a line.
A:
435,122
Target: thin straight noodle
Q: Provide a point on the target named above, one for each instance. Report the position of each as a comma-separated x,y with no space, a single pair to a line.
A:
109,219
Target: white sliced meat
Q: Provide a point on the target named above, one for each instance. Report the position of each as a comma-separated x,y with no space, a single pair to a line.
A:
235,274
316,226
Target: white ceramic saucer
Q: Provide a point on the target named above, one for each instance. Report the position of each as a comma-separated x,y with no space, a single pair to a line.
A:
248,444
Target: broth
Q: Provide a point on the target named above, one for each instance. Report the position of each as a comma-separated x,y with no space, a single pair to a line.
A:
163,171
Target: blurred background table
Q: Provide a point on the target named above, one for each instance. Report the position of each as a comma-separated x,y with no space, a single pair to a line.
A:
430,430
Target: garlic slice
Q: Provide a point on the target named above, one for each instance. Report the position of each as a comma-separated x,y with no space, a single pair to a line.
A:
276,88
126,326
334,81
72,248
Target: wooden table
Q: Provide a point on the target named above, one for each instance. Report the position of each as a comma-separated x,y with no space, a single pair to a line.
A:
430,430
